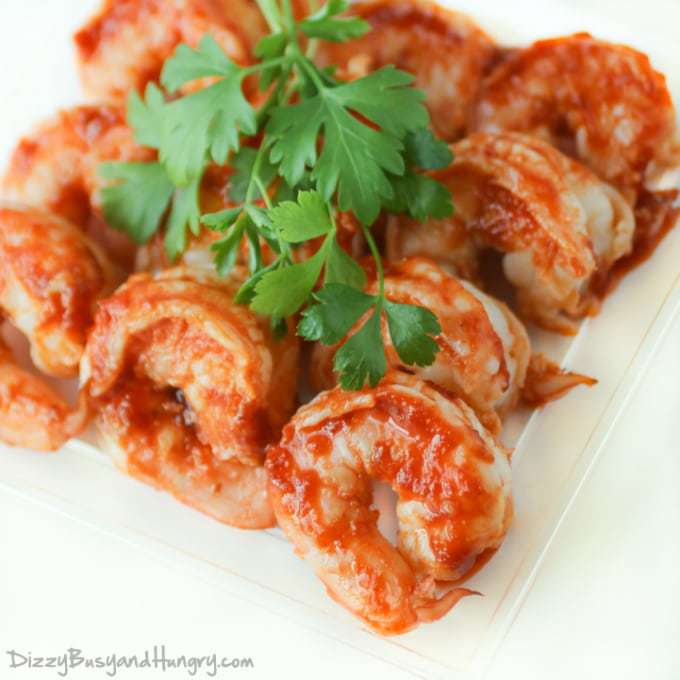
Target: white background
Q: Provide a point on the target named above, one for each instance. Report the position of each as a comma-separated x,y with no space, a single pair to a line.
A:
606,603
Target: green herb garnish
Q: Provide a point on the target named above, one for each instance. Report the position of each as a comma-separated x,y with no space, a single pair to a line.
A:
315,146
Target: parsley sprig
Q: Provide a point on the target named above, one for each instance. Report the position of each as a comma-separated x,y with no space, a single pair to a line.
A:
313,148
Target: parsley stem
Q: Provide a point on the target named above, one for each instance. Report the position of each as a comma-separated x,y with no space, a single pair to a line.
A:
378,265
275,97
270,63
263,191
289,18
271,14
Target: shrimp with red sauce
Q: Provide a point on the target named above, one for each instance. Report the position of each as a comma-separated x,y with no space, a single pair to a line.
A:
51,276
453,483
445,50
124,46
55,168
484,350
560,227
189,389
445,240
603,104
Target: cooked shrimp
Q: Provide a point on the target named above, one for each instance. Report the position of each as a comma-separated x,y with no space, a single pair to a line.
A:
451,476
601,103
484,349
561,227
198,255
56,168
446,51
446,240
124,46
50,279
190,389
32,415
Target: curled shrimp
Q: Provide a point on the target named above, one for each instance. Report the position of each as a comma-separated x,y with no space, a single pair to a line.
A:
445,50
451,476
560,227
484,350
446,240
190,388
55,167
601,103
51,276
124,46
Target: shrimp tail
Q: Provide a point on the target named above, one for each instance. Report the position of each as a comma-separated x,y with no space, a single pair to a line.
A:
433,610
32,415
546,381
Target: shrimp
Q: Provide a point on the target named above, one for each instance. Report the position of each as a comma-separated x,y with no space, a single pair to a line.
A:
190,388
124,46
601,103
446,51
51,276
55,168
560,227
446,240
198,255
484,350
451,476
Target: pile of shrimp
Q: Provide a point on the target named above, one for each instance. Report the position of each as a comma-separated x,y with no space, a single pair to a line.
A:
561,151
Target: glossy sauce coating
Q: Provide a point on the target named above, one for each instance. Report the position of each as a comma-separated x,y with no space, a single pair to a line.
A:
602,103
50,279
124,46
560,226
484,350
32,415
446,51
451,477
51,276
55,168
191,388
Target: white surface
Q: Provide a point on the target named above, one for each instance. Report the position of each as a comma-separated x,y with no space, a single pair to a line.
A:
54,566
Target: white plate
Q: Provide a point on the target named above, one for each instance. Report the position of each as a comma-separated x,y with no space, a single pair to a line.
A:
555,448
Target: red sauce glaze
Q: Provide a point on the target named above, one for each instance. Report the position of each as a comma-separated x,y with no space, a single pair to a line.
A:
578,82
113,16
39,258
139,412
656,214
414,456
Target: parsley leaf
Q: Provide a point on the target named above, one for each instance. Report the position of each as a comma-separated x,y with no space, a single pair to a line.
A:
222,220
138,200
206,124
145,116
185,212
338,308
411,328
425,151
342,268
188,64
303,220
226,250
355,158
362,357
242,163
324,24
420,196
297,280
